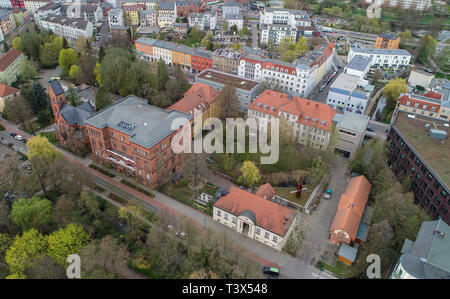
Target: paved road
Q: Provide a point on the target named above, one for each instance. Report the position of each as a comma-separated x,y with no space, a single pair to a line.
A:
321,96
254,36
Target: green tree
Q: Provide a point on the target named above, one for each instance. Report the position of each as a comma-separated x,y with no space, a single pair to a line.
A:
113,69
250,173
443,59
289,56
86,67
30,43
102,98
234,28
26,70
73,98
24,250
31,213
225,26
5,242
394,88
67,58
36,96
427,47
162,74
17,43
67,241
73,73
301,46
405,37
18,110
49,52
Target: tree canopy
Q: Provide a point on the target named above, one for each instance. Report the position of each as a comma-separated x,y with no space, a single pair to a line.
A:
67,241
31,213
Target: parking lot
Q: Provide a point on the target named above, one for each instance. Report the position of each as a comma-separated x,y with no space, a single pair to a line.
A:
18,145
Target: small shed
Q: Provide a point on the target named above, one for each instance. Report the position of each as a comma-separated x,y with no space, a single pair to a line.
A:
363,232
347,254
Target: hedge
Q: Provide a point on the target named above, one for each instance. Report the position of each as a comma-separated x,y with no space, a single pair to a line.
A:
118,199
129,184
102,170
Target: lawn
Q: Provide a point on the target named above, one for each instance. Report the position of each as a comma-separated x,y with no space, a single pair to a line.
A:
184,193
286,193
341,269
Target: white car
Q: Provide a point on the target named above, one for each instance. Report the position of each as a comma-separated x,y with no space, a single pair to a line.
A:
18,137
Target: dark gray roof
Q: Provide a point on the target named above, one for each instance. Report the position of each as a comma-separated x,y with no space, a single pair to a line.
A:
146,124
388,35
56,87
76,115
359,63
249,214
430,255
347,252
167,5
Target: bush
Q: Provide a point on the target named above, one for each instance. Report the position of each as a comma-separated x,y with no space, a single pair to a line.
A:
2,127
129,184
118,199
51,136
102,170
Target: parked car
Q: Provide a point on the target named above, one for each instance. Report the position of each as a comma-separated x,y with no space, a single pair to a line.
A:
370,129
18,137
271,271
13,134
25,140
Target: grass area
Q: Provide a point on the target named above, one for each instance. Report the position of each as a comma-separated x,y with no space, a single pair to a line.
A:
286,193
436,153
102,170
137,188
184,193
340,269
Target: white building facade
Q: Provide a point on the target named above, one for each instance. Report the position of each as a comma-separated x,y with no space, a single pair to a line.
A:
392,58
115,17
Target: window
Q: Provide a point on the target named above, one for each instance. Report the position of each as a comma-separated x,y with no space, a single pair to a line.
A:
225,216
266,235
275,239
234,220
433,209
219,213
437,200
430,177
258,230
443,193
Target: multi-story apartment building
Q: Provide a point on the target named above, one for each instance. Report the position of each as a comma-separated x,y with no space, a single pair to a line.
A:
148,18
419,151
246,90
6,4
201,60
32,5
115,17
226,60
312,122
146,4
89,12
69,28
432,104
293,18
234,19
16,4
387,41
231,8
275,33
9,66
403,4
256,216
135,137
131,14
393,58
48,9
167,14
185,7
7,22
204,20
349,94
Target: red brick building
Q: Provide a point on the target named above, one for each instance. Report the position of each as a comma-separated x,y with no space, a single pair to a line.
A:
185,7
201,60
17,4
135,137
70,127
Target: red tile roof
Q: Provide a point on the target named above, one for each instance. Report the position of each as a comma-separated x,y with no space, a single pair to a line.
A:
434,95
421,103
306,110
8,58
351,206
269,215
199,96
6,90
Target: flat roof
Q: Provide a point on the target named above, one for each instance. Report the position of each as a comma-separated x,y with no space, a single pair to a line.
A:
435,152
347,252
354,122
359,63
345,82
224,78
381,51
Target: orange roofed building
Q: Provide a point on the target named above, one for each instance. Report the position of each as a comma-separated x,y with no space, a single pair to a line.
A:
256,217
312,121
352,204
201,97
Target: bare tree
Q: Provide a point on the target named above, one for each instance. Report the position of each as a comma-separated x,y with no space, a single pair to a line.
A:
229,102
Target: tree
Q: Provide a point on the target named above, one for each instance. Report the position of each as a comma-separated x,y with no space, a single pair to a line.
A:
102,98
234,28
405,37
45,267
443,59
86,66
31,213
385,26
17,43
225,26
301,46
250,173
427,47
30,43
24,250
101,53
36,96
229,102
162,74
81,45
376,76
67,241
49,52
18,110
5,242
393,89
67,58
73,98
113,69
42,156
289,56
26,70
73,73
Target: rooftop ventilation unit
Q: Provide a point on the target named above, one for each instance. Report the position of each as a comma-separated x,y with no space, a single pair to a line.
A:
437,134
126,126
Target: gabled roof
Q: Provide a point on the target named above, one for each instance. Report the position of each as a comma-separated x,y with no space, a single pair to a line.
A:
56,88
6,90
268,215
351,206
266,191
7,59
198,97
76,115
